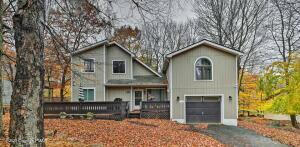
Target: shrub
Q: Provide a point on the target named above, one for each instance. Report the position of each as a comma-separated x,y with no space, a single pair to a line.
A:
89,115
63,115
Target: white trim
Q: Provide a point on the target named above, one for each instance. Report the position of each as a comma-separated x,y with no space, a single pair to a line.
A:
125,49
112,67
141,85
179,120
94,88
212,68
142,90
154,88
223,48
72,99
133,56
222,104
131,67
89,47
83,70
171,88
230,122
148,67
236,87
131,101
104,72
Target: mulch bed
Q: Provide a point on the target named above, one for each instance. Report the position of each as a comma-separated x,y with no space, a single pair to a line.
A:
285,135
130,132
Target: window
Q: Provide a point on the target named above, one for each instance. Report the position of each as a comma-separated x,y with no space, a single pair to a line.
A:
88,94
156,95
203,69
89,65
118,66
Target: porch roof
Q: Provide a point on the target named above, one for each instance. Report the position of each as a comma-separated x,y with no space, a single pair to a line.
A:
139,81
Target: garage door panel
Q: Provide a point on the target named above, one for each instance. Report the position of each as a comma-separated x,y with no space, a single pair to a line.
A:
202,104
194,118
212,118
203,111
200,111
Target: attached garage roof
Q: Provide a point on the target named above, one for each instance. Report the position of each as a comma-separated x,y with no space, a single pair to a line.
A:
208,43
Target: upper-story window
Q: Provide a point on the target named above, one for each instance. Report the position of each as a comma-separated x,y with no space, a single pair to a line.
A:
119,67
203,69
89,65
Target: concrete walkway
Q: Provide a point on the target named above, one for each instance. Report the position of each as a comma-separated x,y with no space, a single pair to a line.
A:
237,137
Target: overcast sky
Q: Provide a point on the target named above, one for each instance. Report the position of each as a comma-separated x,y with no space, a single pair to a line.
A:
126,16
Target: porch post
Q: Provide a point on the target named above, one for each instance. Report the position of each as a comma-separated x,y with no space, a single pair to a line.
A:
131,94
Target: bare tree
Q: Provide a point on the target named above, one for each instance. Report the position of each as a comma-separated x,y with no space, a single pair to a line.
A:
160,37
237,24
26,111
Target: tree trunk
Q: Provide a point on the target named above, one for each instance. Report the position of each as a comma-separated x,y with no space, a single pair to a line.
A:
49,87
294,121
1,82
26,111
63,84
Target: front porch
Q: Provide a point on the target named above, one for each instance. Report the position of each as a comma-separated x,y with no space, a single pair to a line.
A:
136,95
137,90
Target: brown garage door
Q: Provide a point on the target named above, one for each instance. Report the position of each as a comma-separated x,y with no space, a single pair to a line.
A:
203,109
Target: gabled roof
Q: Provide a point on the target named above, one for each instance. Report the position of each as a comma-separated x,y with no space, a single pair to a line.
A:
90,47
208,43
106,42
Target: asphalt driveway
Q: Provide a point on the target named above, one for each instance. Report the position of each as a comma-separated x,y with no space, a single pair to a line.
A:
237,137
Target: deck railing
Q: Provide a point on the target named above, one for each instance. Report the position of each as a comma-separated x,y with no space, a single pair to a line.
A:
153,109
74,108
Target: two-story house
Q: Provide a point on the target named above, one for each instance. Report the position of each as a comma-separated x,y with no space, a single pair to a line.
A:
200,81
106,71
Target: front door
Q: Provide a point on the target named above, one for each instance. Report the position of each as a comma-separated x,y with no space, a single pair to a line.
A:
138,96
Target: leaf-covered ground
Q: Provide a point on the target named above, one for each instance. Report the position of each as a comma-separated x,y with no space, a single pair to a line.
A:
263,127
130,132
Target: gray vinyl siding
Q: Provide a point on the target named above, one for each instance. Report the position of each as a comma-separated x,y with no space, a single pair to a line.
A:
140,70
121,92
96,79
116,53
90,80
224,79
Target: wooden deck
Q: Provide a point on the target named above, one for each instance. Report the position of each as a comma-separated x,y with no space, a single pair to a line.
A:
109,110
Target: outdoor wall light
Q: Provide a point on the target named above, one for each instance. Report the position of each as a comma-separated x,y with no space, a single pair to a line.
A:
230,98
178,98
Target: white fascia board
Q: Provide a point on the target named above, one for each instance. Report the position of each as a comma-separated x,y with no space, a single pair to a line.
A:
89,47
147,67
220,47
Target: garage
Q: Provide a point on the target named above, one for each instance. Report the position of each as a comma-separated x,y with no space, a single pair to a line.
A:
203,109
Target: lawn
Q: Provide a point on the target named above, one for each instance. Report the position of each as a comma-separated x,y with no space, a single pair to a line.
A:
129,132
281,131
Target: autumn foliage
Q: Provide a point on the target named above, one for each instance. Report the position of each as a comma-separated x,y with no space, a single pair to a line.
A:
262,126
130,132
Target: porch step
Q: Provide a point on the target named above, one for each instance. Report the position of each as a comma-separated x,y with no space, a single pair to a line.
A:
134,114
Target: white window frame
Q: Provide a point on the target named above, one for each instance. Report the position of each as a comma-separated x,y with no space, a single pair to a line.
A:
87,88
83,69
112,67
212,68
156,88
